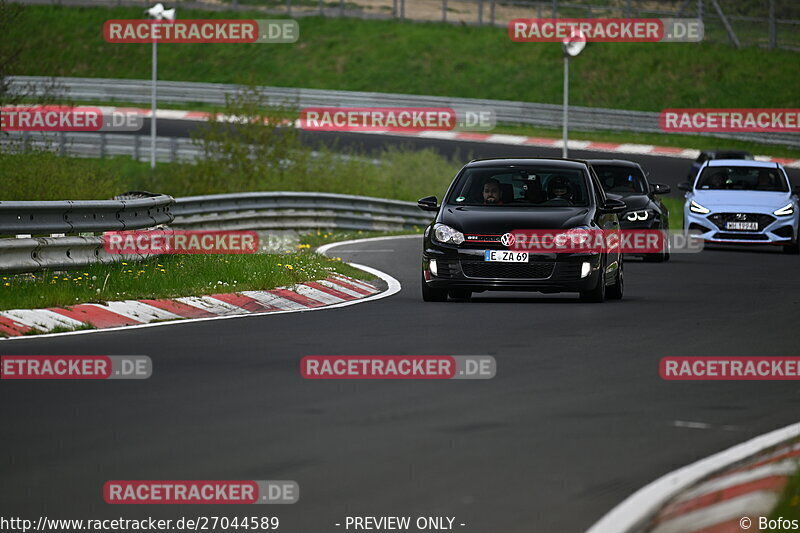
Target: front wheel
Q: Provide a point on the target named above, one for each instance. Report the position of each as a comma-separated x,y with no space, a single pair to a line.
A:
597,293
616,290
432,295
792,249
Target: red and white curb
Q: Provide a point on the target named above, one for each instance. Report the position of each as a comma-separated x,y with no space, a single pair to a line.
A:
718,494
335,290
515,140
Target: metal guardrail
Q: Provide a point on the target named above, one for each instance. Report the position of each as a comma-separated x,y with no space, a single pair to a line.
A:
84,216
506,111
240,211
295,210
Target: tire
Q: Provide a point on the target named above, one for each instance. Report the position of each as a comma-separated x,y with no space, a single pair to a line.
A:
432,295
616,291
660,257
464,295
596,294
792,249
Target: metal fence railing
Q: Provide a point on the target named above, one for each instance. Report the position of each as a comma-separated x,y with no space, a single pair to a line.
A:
508,112
272,211
766,23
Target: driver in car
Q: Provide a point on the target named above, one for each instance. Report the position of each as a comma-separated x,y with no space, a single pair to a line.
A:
559,188
491,193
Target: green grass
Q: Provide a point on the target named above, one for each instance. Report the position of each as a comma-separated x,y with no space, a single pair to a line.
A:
166,277
318,238
675,206
403,174
417,58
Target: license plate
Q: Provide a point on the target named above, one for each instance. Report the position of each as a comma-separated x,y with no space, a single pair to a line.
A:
504,256
746,226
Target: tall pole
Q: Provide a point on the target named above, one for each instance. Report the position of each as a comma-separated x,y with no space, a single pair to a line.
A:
566,104
153,108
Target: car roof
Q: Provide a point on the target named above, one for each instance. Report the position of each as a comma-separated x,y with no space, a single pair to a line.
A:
741,163
565,163
618,162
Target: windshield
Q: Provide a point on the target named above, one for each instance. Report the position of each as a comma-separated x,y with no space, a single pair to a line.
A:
742,178
621,179
520,187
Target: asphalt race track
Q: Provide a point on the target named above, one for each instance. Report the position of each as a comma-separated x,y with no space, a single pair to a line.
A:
575,420
663,169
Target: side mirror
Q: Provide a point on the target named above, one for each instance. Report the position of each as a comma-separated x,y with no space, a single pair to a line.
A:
659,188
613,206
429,203
685,186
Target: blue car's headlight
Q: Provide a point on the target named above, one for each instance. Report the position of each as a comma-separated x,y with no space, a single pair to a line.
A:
638,216
694,207
784,211
446,234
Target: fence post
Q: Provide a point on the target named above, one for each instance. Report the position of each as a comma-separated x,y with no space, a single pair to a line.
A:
289,8
62,143
102,146
555,9
728,28
491,12
319,4
444,10
402,9
773,28
173,149
480,12
136,147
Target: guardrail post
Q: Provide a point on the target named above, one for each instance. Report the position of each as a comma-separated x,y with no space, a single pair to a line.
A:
480,12
174,149
491,12
319,4
773,28
289,7
26,141
402,9
62,143
444,10
136,147
555,9
102,146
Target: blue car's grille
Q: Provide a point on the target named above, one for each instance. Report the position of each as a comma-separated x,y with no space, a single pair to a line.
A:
720,219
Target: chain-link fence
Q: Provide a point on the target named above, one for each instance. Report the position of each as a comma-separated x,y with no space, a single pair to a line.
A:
764,23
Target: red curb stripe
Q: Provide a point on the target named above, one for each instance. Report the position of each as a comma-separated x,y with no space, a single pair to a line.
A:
179,308
770,483
349,286
344,280
330,290
666,150
602,146
775,459
12,328
245,302
473,136
96,316
297,298
540,140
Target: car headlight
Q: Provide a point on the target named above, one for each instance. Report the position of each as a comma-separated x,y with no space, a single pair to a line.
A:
694,207
446,234
638,216
785,210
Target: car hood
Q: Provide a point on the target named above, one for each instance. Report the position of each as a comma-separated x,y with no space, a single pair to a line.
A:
765,200
496,220
632,201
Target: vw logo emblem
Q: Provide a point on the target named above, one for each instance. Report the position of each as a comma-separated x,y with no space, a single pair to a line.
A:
507,239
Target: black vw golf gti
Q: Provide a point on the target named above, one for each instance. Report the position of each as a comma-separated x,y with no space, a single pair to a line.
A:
469,247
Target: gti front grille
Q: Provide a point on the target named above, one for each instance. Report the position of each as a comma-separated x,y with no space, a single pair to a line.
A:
481,269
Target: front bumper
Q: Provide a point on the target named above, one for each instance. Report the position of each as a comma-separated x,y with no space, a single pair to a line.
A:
772,230
465,268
